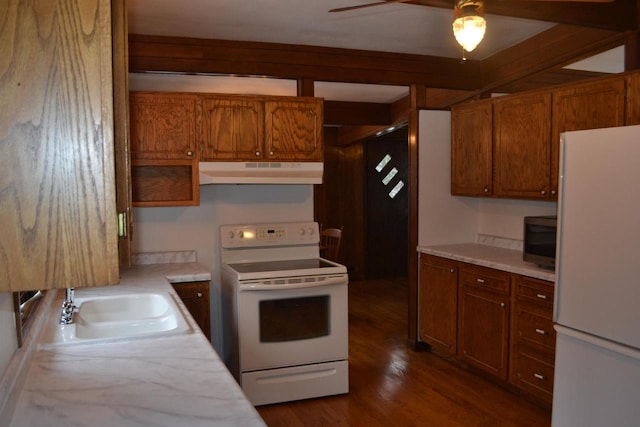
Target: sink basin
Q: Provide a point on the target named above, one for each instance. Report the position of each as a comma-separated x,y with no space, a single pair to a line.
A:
124,316
108,318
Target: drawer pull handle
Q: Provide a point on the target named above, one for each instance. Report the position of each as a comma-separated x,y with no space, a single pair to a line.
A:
480,280
541,296
538,376
541,331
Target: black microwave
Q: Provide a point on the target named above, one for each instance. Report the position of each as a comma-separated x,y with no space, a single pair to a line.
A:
540,234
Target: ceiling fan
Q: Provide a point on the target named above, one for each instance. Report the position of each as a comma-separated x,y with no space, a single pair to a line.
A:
469,24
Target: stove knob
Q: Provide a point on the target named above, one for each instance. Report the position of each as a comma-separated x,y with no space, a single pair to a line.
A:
310,231
231,235
301,231
241,234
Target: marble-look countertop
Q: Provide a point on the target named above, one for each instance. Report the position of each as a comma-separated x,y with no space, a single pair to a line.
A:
490,256
172,380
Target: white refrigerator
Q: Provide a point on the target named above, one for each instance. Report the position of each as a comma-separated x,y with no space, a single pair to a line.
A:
597,302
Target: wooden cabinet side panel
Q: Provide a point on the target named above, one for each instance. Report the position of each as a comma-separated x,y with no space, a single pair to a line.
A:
163,125
294,130
471,149
439,303
57,174
522,146
591,105
232,129
633,100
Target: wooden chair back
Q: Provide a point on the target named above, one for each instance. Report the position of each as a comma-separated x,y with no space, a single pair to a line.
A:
330,243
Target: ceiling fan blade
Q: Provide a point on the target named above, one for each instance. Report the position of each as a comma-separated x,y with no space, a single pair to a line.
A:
362,6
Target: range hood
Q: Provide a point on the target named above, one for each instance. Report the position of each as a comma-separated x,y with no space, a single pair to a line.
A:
261,172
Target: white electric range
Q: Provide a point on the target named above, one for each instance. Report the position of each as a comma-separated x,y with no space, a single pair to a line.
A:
285,312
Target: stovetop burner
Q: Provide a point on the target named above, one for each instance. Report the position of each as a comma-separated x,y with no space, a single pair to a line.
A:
281,265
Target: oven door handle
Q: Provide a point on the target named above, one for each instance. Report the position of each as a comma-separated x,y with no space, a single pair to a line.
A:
262,286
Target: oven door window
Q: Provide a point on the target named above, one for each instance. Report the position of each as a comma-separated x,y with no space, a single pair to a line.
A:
294,319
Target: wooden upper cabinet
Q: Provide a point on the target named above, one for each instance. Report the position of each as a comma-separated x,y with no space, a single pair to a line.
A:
163,125
57,175
522,146
592,105
633,99
471,149
232,128
293,129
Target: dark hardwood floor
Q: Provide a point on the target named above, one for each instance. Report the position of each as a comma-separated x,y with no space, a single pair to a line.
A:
392,385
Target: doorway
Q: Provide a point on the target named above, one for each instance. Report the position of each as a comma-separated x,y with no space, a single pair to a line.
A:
387,201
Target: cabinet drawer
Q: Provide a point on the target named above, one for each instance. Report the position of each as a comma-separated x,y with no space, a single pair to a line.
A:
534,327
534,291
485,278
534,373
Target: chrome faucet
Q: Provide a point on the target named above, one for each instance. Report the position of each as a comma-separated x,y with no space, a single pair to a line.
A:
68,307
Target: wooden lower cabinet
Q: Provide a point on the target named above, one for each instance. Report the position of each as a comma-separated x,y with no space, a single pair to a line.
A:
195,296
533,339
483,319
439,303
490,320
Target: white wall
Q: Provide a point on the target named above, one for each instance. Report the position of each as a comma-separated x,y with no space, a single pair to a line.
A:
197,227
8,342
444,218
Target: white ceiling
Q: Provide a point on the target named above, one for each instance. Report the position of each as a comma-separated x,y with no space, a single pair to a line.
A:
402,28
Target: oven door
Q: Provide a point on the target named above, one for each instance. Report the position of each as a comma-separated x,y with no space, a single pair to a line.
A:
293,324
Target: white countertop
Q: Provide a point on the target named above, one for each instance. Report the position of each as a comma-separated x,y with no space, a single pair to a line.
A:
490,256
173,380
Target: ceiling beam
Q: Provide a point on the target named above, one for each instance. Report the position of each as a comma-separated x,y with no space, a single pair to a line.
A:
188,55
553,48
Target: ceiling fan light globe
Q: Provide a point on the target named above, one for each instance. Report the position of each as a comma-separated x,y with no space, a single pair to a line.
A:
469,31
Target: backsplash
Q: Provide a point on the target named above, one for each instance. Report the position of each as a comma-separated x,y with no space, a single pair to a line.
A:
169,257
500,242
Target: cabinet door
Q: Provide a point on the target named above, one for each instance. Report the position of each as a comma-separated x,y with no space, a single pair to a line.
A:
232,128
294,129
439,303
57,182
163,125
522,146
592,105
633,99
195,296
483,320
471,135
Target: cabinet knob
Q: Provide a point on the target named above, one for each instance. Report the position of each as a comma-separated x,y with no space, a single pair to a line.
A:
553,192
199,294
543,192
271,153
257,154
189,153
502,304
486,189
453,270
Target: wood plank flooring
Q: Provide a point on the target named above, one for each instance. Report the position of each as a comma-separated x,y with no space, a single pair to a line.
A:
392,385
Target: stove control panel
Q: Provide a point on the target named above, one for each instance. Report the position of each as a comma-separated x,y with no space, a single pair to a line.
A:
278,234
